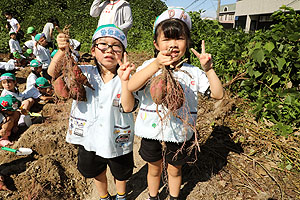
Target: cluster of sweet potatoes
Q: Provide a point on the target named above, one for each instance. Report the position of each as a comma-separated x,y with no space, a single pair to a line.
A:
69,81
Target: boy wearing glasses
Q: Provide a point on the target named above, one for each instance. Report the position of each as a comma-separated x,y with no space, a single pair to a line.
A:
102,126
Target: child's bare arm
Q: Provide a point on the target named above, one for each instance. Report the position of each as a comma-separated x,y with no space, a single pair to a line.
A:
47,98
127,98
57,61
216,87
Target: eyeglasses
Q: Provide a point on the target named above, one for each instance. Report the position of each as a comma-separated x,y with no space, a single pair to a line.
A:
104,47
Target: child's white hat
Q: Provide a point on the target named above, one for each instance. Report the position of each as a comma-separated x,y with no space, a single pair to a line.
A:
110,30
174,13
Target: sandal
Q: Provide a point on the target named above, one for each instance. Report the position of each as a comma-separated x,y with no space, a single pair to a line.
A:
2,185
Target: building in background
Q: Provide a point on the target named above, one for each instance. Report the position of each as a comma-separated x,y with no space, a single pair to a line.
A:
252,15
226,15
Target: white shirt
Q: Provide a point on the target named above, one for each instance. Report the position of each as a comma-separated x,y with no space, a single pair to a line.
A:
14,25
32,92
120,15
9,65
14,45
29,44
43,55
148,123
30,81
98,124
6,92
47,28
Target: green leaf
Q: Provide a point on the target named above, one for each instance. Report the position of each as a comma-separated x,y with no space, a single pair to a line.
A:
258,45
288,100
272,64
280,48
250,71
297,65
280,64
259,55
257,74
275,79
269,46
294,37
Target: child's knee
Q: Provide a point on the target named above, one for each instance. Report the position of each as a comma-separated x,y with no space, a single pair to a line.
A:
174,171
4,133
101,177
154,171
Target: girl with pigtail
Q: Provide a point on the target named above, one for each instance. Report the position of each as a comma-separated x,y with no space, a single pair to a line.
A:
168,108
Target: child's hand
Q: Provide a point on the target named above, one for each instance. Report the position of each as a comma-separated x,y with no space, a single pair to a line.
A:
23,111
205,58
125,68
62,41
164,58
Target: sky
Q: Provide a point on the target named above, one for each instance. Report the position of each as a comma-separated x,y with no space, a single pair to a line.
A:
209,5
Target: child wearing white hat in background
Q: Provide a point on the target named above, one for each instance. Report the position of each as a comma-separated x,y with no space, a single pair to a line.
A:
103,126
172,42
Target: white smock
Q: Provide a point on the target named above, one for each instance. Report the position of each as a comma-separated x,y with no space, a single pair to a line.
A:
14,45
31,92
30,81
43,55
148,123
9,65
13,24
116,12
97,124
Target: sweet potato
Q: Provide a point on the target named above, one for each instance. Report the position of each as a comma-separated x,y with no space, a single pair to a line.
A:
166,90
175,95
80,77
77,91
60,88
158,89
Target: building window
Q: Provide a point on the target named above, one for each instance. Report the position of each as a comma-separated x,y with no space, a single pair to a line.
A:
265,18
225,9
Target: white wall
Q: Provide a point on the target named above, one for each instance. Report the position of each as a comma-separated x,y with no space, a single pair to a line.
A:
252,7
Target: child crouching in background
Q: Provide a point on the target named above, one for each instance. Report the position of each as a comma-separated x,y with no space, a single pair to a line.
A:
9,117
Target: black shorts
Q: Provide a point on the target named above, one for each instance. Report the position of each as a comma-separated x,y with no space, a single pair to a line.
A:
91,165
151,151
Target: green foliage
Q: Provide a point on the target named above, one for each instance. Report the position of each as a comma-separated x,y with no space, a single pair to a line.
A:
76,13
4,38
270,60
274,72
144,13
226,46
